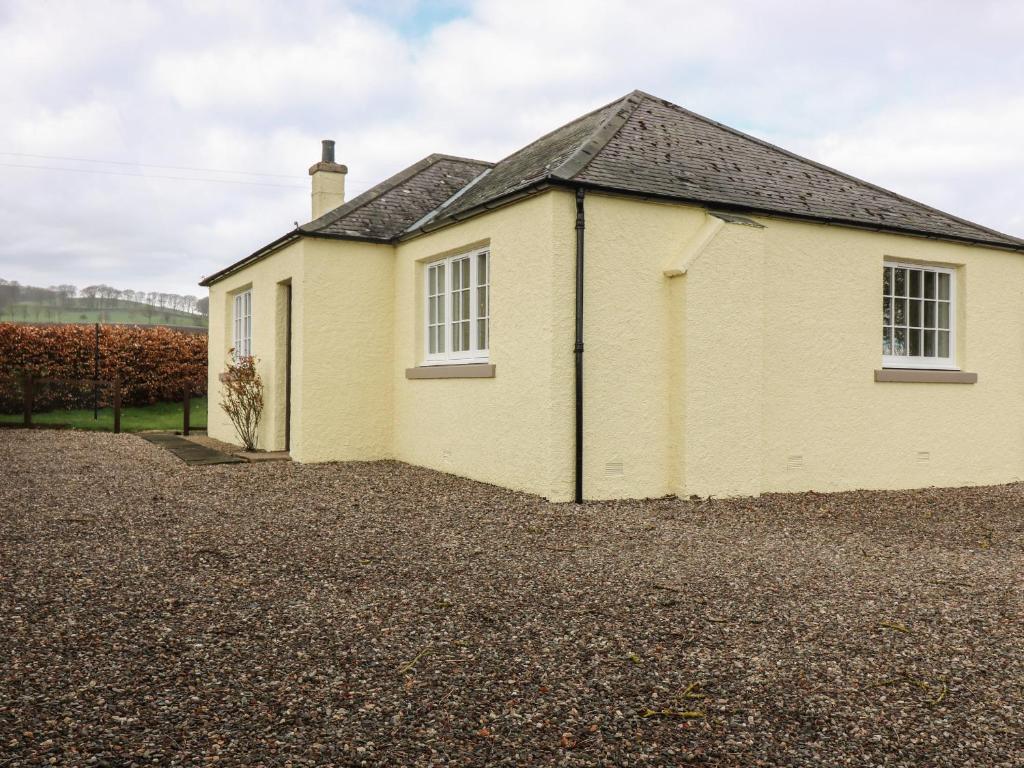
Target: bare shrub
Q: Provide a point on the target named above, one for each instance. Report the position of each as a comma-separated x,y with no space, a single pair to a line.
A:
242,398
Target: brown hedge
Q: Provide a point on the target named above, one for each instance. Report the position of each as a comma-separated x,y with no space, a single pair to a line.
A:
154,363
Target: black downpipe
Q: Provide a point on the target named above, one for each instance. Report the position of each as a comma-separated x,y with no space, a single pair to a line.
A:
581,225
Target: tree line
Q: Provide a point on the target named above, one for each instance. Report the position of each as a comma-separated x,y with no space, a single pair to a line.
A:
98,297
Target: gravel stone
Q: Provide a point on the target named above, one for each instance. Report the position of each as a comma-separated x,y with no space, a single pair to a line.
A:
372,614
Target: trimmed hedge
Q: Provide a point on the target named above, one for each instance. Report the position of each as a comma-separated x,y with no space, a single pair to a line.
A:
155,363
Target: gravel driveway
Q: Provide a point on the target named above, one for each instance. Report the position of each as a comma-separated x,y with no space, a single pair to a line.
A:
379,614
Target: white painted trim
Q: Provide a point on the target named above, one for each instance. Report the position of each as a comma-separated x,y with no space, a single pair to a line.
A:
473,354
241,316
921,362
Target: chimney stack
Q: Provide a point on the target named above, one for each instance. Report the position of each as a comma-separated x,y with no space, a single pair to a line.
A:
328,181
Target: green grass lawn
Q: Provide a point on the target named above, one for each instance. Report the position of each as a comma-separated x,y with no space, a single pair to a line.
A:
166,416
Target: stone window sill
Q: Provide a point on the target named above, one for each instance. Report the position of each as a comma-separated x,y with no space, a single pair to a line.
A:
460,371
923,376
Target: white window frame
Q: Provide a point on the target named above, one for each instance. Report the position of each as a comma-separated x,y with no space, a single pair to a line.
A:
919,361
475,354
242,324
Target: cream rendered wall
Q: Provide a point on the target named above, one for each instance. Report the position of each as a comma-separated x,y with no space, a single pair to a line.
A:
751,372
754,371
822,344
721,365
347,352
265,279
342,348
632,401
514,429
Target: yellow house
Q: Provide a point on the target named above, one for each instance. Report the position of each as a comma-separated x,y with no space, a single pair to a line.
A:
643,302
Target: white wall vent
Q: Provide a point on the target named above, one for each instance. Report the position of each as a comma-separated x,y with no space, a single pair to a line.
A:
614,469
794,463
923,457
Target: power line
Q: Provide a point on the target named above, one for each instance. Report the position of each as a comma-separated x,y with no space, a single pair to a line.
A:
151,176
148,165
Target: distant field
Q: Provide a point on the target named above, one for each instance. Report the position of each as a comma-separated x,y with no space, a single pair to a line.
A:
79,311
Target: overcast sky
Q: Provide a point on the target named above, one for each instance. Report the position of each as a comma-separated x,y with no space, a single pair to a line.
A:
926,98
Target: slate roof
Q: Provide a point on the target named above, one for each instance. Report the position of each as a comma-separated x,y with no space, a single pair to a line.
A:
641,145
388,209
645,145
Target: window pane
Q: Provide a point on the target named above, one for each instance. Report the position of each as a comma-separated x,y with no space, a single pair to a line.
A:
440,278
432,335
887,281
929,314
900,282
915,343
432,314
432,281
915,282
929,285
481,269
465,304
915,313
887,341
899,341
900,307
943,343
481,301
943,285
943,314
465,335
465,272
929,343
481,334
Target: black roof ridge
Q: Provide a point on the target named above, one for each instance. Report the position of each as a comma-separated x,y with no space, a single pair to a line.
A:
380,189
600,136
828,168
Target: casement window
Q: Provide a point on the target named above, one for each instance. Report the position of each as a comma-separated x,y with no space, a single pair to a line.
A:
242,339
918,316
457,308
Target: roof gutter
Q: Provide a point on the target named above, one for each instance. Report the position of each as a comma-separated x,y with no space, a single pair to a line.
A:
262,253
754,211
271,248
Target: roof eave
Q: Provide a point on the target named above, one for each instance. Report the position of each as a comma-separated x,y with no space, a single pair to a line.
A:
529,190
551,181
252,258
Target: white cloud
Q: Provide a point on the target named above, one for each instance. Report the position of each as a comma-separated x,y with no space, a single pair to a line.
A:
921,97
342,58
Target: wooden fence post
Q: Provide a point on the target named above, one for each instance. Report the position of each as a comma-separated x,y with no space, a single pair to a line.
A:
187,415
117,404
28,395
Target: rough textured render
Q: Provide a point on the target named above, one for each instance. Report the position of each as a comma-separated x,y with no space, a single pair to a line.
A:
648,146
391,207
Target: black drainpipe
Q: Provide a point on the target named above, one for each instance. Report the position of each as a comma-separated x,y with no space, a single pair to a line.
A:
581,225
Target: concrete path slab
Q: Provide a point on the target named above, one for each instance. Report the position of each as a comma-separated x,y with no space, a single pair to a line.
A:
189,452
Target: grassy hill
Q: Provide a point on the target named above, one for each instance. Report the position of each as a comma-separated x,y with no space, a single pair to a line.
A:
81,311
